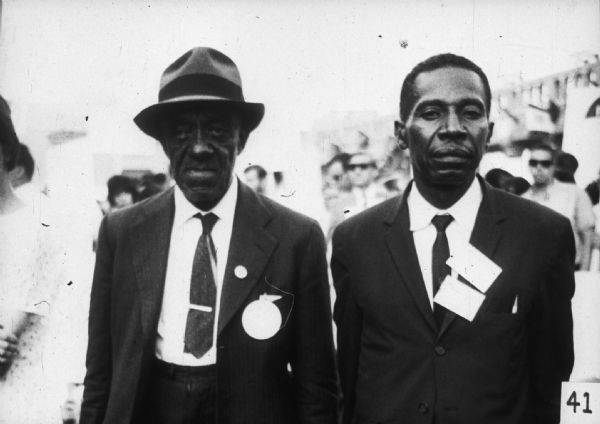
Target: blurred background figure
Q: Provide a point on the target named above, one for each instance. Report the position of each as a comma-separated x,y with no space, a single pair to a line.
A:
71,408
498,178
593,190
335,179
22,174
391,184
256,177
517,185
565,198
152,184
334,172
565,167
31,265
362,171
122,191
504,180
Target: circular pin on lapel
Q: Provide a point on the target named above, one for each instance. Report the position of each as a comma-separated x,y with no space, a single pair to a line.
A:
240,272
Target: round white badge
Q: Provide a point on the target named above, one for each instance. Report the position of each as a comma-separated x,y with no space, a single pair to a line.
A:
240,272
261,319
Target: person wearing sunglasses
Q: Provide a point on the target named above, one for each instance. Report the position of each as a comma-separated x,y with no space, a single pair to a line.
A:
564,198
362,172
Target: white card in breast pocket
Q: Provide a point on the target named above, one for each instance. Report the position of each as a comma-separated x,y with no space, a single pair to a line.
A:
459,298
474,266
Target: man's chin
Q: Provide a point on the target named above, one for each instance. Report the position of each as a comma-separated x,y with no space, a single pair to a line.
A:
452,177
202,196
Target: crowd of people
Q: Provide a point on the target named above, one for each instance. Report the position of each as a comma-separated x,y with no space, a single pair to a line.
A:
553,175
125,191
353,183
210,302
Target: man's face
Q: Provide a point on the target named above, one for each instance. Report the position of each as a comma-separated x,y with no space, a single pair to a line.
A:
361,170
202,144
448,128
254,181
336,176
121,200
541,167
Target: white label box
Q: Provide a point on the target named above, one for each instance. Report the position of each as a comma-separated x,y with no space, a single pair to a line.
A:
580,403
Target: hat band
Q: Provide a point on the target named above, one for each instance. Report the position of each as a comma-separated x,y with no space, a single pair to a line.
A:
201,84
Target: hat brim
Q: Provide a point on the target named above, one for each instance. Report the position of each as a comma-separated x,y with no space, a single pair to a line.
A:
149,119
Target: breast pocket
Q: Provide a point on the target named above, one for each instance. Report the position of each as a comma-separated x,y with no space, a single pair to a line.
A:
284,302
267,315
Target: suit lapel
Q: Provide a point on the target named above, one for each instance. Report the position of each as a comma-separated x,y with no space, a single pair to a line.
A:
401,247
486,232
251,246
150,238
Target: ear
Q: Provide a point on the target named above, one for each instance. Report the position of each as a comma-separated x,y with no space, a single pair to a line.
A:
490,132
244,134
16,173
162,139
400,133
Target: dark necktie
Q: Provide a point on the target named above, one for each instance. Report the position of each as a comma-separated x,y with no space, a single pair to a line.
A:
440,254
203,292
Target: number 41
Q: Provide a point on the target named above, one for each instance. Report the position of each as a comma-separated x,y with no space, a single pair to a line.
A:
572,401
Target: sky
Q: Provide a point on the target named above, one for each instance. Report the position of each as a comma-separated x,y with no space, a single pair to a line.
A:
102,60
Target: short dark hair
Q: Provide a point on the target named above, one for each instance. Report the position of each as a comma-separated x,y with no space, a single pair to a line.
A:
9,142
567,161
408,93
25,160
118,184
517,185
260,171
497,177
342,158
546,148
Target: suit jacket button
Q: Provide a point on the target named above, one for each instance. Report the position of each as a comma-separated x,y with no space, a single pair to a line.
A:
440,351
423,408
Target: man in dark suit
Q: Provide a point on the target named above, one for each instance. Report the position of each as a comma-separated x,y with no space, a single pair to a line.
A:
209,303
404,358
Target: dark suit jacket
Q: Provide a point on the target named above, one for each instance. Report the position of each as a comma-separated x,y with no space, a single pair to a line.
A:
284,253
396,366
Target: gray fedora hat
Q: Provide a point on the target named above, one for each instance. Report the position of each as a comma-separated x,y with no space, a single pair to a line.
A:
201,75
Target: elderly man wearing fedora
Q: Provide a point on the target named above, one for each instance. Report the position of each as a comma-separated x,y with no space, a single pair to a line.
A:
210,303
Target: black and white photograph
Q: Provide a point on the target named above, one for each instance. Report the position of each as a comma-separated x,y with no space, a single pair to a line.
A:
300,212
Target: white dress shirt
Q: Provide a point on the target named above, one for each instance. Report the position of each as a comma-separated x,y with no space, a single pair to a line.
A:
420,211
176,299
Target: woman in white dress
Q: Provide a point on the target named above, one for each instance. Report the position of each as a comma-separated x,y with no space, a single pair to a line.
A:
29,280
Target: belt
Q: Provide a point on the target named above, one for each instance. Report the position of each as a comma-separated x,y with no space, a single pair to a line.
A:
174,371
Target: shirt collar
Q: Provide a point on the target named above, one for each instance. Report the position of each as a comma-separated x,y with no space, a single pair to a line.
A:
225,209
464,211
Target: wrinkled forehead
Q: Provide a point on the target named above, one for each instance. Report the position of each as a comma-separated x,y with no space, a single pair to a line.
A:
203,112
449,85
